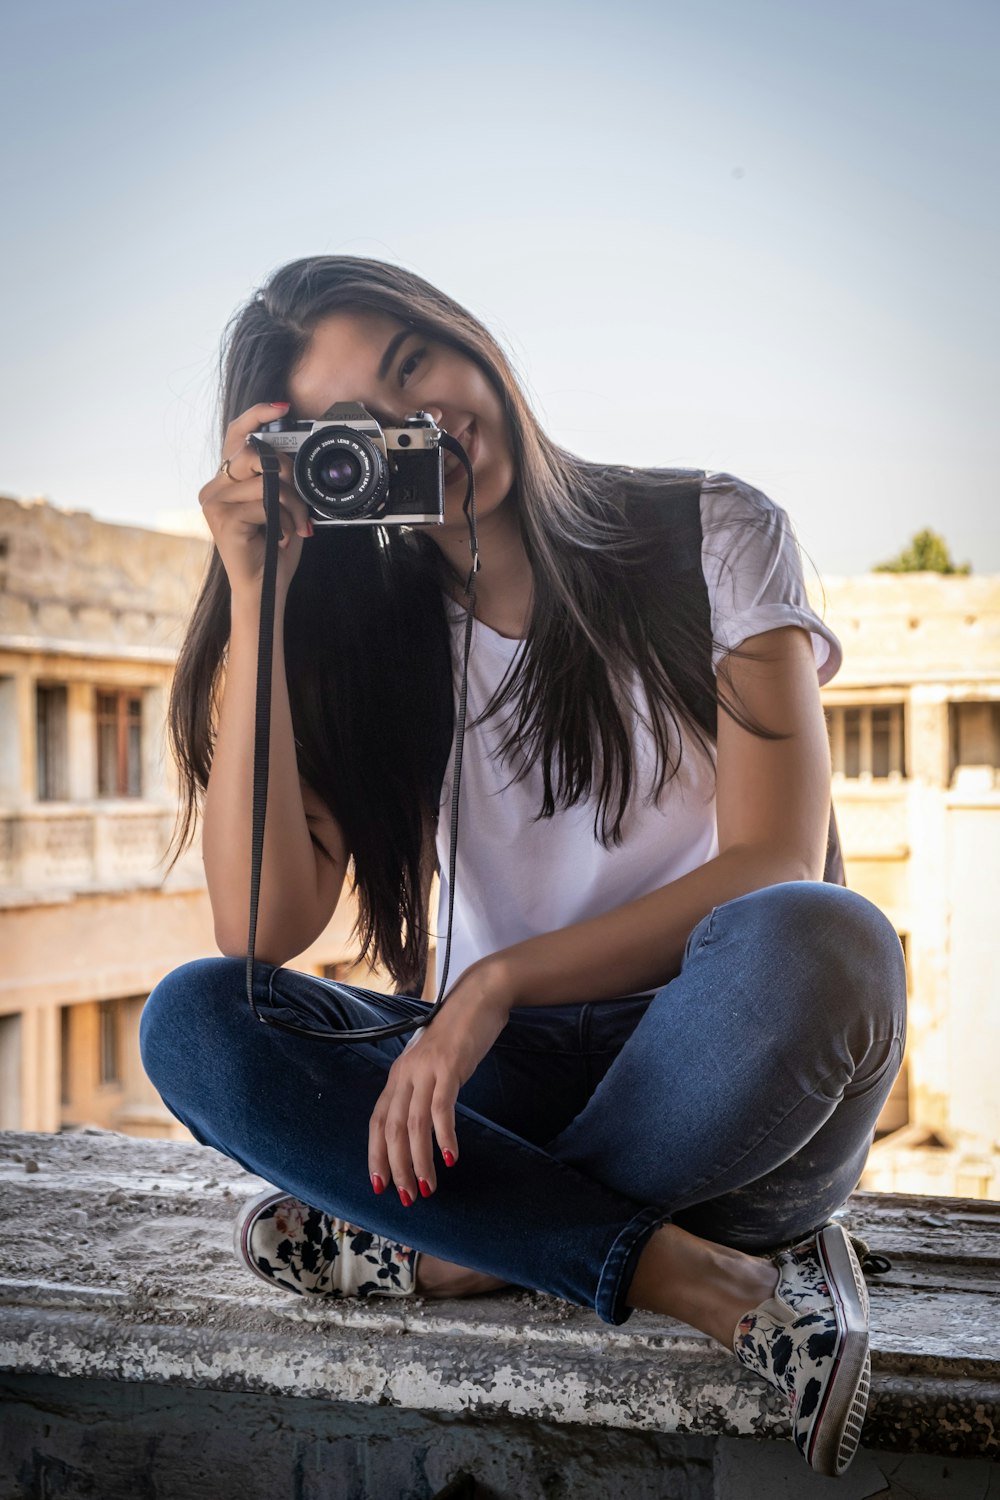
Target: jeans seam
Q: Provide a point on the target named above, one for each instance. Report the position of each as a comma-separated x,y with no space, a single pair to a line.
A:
879,1073
705,938
610,1291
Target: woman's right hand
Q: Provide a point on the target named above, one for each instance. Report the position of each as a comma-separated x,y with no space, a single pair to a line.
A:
233,504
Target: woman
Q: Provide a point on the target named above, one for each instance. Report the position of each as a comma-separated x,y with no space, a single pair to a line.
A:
659,1069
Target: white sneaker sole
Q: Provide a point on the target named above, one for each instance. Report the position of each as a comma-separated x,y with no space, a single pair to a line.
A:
836,1430
244,1223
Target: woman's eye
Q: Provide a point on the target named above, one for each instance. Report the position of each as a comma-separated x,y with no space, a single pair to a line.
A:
417,355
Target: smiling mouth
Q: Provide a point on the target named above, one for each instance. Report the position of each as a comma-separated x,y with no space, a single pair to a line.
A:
452,463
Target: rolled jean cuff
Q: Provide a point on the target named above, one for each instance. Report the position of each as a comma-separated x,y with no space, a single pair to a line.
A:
619,1266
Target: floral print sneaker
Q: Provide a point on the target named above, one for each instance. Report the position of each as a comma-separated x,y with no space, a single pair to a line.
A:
285,1242
810,1341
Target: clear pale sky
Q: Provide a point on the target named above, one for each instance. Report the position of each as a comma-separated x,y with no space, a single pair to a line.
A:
751,235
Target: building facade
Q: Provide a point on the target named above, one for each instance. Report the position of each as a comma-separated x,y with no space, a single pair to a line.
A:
914,719
91,618
90,622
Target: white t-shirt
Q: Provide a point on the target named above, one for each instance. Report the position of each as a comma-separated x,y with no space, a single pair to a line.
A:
519,876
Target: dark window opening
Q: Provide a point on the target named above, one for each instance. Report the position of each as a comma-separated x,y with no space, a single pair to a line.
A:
867,741
51,739
65,1052
975,736
109,1070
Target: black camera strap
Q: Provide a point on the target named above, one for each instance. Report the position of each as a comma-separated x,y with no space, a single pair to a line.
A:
262,737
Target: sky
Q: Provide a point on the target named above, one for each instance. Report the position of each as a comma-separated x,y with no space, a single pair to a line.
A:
758,236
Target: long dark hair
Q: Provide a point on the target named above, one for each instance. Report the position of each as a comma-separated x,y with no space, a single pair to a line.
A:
367,641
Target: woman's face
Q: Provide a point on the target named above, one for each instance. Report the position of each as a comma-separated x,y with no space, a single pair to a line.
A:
373,358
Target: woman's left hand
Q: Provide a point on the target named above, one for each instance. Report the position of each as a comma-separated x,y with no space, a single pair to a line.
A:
424,1081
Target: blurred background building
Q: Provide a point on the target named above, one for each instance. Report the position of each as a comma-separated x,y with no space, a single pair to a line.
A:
91,618
914,719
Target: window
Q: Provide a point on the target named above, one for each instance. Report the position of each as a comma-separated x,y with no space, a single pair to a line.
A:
975,738
10,1072
108,1068
119,744
867,741
65,1052
51,742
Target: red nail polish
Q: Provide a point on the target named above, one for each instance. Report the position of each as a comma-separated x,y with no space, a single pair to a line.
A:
407,1201
425,1188
311,531
377,1183
285,404
449,1160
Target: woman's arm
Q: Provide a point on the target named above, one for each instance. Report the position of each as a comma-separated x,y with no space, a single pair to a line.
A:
773,812
305,854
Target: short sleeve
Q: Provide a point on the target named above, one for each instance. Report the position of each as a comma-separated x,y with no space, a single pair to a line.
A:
753,572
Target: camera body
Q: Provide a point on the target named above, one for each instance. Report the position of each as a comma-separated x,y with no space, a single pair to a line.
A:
350,471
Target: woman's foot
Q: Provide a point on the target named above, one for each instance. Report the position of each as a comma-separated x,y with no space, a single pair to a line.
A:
800,1322
810,1341
442,1278
293,1245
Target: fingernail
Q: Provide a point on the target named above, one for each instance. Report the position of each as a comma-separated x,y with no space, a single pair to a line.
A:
449,1160
285,404
310,531
425,1188
377,1183
407,1201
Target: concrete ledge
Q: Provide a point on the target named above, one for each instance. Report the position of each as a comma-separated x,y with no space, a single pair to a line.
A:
116,1265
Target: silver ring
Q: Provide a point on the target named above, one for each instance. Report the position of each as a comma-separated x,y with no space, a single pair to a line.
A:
225,469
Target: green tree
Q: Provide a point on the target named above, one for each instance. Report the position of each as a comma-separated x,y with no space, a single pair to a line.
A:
927,553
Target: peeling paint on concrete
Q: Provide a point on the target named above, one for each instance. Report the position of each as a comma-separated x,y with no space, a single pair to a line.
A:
116,1264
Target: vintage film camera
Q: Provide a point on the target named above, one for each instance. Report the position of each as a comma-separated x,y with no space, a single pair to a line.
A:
350,471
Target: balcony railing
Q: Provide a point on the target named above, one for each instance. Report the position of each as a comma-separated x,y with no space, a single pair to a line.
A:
873,818
64,846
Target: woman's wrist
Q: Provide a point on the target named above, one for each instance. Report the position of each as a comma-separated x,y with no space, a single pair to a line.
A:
244,611
486,983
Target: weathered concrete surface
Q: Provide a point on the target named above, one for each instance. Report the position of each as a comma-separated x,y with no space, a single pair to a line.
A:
116,1264
764,1471
109,1439
118,1440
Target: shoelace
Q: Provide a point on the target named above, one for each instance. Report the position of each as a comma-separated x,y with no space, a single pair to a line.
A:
870,1261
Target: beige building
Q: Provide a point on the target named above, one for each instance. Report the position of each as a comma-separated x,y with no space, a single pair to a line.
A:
91,617
90,620
914,720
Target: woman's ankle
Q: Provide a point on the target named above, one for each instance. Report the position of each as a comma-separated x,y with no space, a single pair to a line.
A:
706,1285
442,1278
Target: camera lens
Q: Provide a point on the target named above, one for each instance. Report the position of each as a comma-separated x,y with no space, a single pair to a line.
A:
341,474
338,472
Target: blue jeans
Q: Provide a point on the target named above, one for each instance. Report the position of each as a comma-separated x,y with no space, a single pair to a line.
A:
738,1102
